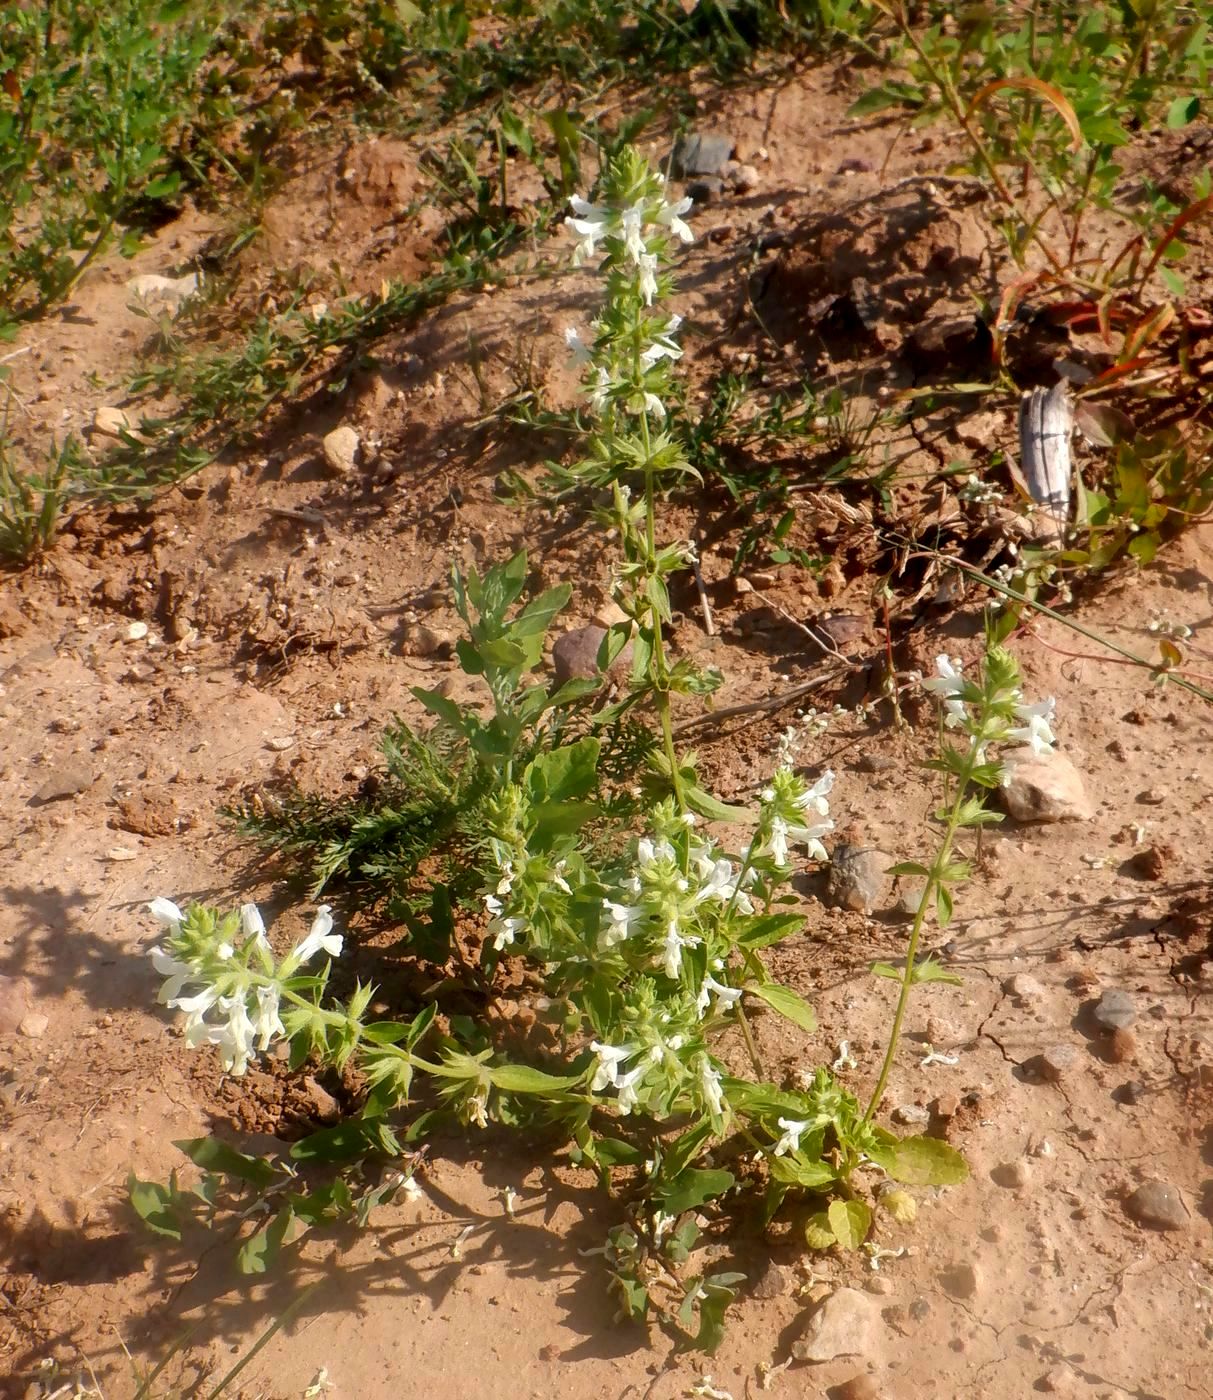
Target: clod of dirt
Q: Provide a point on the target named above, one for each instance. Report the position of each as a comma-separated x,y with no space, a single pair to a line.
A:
1115,1010
341,449
1152,797
1056,1062
702,153
1159,1206
860,1387
777,1281
420,640
68,781
1151,864
1044,789
12,1004
846,1324
1059,1380
960,1280
946,1106
324,1105
859,877
1120,1046
1013,1175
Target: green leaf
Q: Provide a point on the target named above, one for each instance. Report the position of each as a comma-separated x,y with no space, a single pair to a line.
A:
705,805
884,969
614,1152
694,1187
439,705
922,1161
928,970
766,929
259,1251
164,186
943,908
517,133
680,1153
153,1204
504,654
522,1079
1182,111
716,1295
817,1232
909,867
850,1222
787,1002
568,772
346,1141
214,1156
794,1171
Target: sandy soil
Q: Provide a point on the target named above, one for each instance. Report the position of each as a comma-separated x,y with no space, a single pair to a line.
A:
270,652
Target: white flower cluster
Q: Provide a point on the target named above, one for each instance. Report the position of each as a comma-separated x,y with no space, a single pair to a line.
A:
793,811
664,900
240,988
594,224
650,1072
1007,718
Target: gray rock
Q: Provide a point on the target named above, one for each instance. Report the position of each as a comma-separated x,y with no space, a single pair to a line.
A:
1134,1092
911,1115
1159,1206
575,654
1056,1062
702,153
859,877
341,449
1115,1010
848,1323
68,781
1044,789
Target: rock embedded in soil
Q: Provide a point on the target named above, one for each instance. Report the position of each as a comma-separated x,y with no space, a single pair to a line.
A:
960,1280
1013,1175
575,654
1056,1062
911,1115
860,1387
68,781
34,1025
702,153
421,640
1023,987
776,1281
1159,1206
1121,1046
341,449
1044,789
847,1324
859,877
1115,1010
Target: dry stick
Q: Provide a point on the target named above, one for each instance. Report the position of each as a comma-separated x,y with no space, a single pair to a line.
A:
772,702
708,625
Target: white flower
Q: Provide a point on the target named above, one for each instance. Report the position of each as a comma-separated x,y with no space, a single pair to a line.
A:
252,925
628,1097
671,216
647,263
268,1024
590,225
1036,731
949,683
649,852
167,913
196,1006
815,797
720,883
673,944
610,1057
235,1037
662,348
320,937
709,1082
620,919
505,928
578,350
792,1130
177,974
631,224
599,393
726,997
653,405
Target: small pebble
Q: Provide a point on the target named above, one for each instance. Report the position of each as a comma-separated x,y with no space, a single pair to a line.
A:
946,1106
33,1026
1023,987
858,878
136,631
911,1115
1159,1206
776,1282
860,1387
1134,1092
960,1280
1056,1062
341,448
1152,797
281,743
879,1285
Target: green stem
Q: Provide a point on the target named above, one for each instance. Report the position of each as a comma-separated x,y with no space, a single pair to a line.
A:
934,883
748,1036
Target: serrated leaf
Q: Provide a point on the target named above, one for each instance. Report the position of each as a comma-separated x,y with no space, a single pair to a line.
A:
788,1003
850,1222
